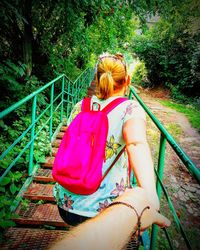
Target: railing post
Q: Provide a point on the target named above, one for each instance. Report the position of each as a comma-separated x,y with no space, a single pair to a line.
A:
68,97
33,116
62,98
51,112
161,164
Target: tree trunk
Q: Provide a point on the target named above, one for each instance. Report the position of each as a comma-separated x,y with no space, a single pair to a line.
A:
28,36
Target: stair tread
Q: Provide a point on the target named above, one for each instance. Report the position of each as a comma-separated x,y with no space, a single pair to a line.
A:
39,214
43,175
30,238
37,191
49,162
54,151
60,135
56,143
63,129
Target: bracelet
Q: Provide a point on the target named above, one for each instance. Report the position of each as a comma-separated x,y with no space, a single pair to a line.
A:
138,216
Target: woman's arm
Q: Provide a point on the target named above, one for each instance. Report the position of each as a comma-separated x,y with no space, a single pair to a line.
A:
134,133
113,227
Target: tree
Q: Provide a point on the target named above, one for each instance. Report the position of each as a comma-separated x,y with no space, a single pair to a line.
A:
170,49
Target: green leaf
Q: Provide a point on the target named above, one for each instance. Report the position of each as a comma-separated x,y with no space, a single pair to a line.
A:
7,223
5,181
2,189
17,175
13,188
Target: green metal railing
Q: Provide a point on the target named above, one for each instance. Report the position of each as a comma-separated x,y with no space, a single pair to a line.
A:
63,95
194,171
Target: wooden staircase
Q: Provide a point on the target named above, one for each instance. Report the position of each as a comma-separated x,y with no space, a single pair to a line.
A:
35,221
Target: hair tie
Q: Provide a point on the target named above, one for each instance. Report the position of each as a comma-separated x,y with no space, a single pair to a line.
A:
109,73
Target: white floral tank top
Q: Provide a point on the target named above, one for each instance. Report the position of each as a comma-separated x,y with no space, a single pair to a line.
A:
116,181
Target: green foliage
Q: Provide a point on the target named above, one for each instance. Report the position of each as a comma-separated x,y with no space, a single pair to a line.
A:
170,49
139,75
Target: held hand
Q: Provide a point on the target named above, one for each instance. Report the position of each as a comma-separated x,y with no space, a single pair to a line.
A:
138,198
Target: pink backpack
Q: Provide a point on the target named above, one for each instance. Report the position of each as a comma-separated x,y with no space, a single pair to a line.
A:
78,163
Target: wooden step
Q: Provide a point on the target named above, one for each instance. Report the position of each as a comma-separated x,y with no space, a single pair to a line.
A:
60,135
39,214
43,175
37,191
49,162
56,143
30,238
63,128
54,151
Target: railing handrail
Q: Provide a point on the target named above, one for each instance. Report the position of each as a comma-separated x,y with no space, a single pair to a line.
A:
16,105
28,97
179,151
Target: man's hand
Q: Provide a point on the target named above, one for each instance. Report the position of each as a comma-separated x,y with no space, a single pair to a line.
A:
138,198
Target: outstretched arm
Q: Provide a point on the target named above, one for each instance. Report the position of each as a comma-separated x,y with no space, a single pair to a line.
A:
134,133
113,227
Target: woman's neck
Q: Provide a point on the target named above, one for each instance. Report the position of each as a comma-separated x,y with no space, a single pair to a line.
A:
119,92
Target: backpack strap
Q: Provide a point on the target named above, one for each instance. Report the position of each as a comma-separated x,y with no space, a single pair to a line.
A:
87,101
86,104
113,163
114,104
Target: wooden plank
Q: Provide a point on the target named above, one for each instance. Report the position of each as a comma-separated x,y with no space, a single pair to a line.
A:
37,191
44,175
56,143
49,162
60,135
39,214
30,238
54,151
63,128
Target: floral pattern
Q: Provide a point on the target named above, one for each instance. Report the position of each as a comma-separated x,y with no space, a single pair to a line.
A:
111,147
67,202
129,110
102,206
120,188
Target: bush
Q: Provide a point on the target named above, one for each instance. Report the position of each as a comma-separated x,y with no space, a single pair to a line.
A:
139,75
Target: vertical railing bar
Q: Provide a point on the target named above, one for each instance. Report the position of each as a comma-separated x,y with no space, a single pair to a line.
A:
161,164
134,182
68,96
51,112
176,219
33,117
62,99
168,239
80,87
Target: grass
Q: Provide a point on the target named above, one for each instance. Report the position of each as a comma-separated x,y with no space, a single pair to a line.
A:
174,129
192,113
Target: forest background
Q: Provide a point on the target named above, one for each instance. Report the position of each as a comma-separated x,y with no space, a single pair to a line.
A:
43,39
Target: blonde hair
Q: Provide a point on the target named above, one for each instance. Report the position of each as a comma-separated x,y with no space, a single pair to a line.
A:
111,74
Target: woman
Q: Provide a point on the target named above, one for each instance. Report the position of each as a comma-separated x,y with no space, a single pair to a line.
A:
127,126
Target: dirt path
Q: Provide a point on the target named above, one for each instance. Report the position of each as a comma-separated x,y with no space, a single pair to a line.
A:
182,188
